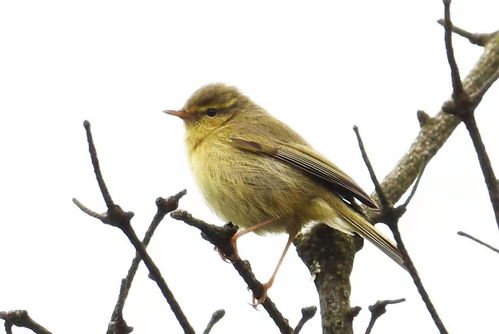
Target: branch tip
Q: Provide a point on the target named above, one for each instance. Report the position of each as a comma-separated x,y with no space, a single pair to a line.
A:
464,234
423,117
307,314
378,309
215,317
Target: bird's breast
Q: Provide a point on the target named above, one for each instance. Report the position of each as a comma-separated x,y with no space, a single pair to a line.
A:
246,188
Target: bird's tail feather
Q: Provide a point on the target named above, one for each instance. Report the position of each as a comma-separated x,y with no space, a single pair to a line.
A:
369,232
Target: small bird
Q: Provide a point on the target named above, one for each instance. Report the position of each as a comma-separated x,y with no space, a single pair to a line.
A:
257,173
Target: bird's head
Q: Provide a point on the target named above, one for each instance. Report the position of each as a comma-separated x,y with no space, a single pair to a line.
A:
208,109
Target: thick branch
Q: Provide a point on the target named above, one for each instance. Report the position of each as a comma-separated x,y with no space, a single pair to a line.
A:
329,256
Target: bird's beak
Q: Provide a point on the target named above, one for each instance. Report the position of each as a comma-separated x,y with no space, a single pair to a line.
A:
179,113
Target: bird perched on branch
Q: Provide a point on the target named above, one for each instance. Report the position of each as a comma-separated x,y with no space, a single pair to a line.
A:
257,173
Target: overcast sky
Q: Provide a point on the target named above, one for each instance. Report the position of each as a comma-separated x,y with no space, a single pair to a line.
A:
320,66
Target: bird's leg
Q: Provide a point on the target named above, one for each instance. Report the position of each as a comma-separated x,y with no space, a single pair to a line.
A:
233,240
269,283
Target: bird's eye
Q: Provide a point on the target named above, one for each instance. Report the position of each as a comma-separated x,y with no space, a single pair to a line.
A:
212,112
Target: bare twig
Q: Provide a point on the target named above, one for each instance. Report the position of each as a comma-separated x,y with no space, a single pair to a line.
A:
382,198
485,164
95,162
463,106
307,313
117,324
464,234
414,188
457,84
20,318
475,38
115,216
390,216
215,317
220,237
378,309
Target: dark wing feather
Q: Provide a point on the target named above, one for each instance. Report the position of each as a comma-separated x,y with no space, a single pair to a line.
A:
306,159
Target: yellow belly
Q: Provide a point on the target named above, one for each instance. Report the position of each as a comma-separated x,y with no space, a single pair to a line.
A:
245,188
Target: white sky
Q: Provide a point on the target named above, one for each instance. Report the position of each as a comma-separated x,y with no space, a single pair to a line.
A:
320,66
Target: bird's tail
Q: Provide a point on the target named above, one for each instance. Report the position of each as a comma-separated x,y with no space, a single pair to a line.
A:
367,231
358,224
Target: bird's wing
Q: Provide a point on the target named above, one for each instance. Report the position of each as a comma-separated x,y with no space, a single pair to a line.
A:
307,160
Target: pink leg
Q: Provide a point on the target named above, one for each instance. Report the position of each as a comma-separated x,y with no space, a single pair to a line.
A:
270,282
239,234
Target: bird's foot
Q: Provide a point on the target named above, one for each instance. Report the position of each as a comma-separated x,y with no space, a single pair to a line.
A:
235,254
263,297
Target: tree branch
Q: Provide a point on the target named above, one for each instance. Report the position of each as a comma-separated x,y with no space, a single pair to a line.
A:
457,85
315,246
463,105
215,317
390,216
437,129
118,325
329,255
378,309
307,313
463,234
20,318
475,38
95,163
115,216
220,237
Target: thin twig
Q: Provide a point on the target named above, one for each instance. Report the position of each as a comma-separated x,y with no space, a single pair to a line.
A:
220,237
307,313
95,162
88,211
456,78
378,309
20,318
381,195
475,38
485,164
416,279
115,216
414,187
464,234
117,324
390,217
215,317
